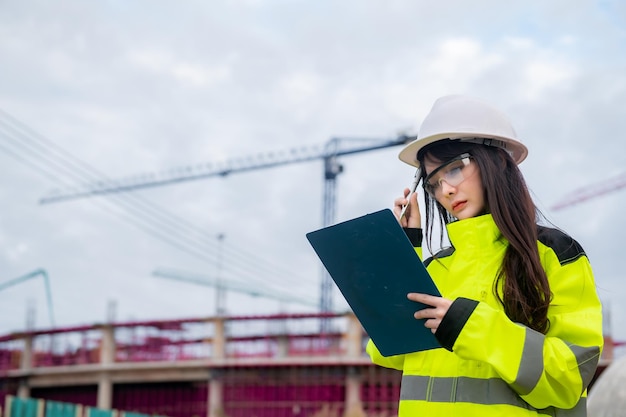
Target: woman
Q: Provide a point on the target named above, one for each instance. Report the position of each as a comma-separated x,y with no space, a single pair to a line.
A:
519,320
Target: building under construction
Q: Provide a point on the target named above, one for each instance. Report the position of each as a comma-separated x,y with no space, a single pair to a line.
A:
239,366
264,366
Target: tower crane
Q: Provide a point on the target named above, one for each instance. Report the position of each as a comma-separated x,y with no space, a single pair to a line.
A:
592,191
330,153
34,274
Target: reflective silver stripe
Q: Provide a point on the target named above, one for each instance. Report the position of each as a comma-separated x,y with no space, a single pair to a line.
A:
531,365
476,391
587,358
461,389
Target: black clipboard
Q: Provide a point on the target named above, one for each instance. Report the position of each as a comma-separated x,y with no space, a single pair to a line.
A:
374,264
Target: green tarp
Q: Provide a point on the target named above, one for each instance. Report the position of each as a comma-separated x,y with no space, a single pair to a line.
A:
22,407
59,409
97,412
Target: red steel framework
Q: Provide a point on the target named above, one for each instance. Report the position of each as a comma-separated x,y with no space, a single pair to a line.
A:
264,366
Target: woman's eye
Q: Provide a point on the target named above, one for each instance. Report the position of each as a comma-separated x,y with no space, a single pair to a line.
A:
454,171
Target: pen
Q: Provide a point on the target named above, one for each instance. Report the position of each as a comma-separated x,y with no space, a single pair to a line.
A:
416,180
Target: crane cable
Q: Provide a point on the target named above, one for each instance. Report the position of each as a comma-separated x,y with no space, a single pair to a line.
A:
158,231
152,219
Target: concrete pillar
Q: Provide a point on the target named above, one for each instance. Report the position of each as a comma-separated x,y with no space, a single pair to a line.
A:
107,348
216,397
105,391
353,405
283,346
23,389
354,337
216,390
27,354
354,340
219,338
26,364
107,357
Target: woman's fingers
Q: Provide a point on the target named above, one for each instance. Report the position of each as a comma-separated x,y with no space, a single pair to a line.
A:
434,314
398,205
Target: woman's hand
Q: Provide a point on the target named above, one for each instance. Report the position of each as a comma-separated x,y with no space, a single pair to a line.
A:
412,217
434,314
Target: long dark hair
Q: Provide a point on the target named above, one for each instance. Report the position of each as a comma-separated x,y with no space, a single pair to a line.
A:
525,291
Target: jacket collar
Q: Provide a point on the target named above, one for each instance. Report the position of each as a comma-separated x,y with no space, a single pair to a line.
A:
473,233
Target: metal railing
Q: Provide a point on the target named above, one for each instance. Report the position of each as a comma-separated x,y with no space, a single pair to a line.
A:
277,336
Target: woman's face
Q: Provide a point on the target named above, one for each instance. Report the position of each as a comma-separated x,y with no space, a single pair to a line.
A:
456,185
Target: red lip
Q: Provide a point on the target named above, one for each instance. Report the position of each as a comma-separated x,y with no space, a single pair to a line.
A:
459,204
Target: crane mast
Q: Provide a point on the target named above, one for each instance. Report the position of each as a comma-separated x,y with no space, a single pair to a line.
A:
332,168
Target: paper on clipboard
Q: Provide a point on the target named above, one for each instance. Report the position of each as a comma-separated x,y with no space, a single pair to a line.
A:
375,266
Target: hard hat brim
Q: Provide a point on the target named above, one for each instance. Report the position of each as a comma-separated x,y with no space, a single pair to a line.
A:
516,149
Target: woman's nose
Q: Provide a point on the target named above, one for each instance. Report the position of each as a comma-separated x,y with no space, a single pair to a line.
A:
447,189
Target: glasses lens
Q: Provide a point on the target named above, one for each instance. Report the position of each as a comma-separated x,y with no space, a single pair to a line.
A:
451,172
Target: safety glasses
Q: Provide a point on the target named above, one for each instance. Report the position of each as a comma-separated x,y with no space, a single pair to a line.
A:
452,172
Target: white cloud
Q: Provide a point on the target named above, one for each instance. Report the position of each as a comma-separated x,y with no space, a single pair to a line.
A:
457,62
544,75
188,73
15,252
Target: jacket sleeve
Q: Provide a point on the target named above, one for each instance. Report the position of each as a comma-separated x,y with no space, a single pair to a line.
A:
545,370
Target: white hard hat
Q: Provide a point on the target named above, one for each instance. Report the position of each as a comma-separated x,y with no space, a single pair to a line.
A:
469,120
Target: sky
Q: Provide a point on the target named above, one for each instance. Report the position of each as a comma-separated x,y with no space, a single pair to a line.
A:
118,89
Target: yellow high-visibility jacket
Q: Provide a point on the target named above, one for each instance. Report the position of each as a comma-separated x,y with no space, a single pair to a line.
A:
489,365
